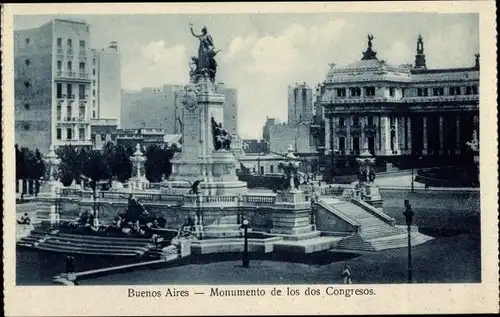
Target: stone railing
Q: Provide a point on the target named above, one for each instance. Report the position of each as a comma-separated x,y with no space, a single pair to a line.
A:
259,199
70,192
374,211
220,199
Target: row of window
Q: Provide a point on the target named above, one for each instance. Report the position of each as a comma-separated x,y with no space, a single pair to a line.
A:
452,91
355,121
356,91
421,92
69,67
69,91
69,43
81,111
69,134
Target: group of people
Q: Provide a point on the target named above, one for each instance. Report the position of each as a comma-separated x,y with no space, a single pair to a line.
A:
25,220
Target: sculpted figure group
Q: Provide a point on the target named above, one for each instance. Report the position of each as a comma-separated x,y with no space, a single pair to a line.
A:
205,63
222,139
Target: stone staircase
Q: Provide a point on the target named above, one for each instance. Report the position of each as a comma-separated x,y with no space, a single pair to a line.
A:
88,244
378,232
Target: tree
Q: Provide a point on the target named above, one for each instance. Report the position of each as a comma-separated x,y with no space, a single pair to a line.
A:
69,167
38,170
96,168
121,166
154,164
168,154
20,166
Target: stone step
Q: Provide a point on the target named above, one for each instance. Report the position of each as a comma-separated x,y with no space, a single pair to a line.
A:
76,251
103,241
299,236
103,238
98,246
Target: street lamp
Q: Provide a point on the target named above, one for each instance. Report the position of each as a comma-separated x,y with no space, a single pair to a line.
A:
409,213
245,258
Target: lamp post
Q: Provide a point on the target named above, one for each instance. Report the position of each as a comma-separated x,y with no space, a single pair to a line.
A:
245,258
409,213
412,172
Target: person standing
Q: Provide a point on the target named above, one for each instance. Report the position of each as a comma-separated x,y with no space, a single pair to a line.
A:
346,273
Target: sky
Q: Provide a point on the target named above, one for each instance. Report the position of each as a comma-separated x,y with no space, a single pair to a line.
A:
264,53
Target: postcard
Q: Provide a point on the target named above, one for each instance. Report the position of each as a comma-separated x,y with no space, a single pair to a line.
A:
228,159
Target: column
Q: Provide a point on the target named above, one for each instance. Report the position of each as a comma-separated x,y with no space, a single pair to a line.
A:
424,135
408,133
383,135
457,148
376,123
441,139
400,134
327,134
348,140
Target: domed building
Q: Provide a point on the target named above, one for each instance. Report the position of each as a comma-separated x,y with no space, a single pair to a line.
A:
398,113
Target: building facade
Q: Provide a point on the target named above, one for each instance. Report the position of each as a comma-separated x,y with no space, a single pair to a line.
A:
161,108
399,112
106,83
52,85
300,104
103,131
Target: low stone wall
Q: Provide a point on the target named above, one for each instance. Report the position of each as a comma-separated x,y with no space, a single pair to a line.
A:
331,224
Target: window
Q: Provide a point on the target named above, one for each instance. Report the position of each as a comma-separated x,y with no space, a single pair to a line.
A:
93,103
81,134
70,44
341,121
341,92
58,133
81,113
455,91
93,83
93,61
474,89
342,144
81,91
82,67
93,72
68,113
355,91
26,126
27,84
93,114
93,92
27,106
59,42
58,113
69,91
271,168
438,91
70,66
262,170
82,45
392,91
69,134
27,40
355,120
422,92
370,120
403,92
370,91
59,65
59,90
27,62
92,137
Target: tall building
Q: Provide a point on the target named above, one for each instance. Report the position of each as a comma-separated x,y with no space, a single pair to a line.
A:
52,85
158,108
396,112
230,108
106,83
161,108
300,104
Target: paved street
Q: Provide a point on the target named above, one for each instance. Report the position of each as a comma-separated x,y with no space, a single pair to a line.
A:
445,259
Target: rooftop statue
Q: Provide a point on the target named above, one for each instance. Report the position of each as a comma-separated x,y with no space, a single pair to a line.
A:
204,63
369,53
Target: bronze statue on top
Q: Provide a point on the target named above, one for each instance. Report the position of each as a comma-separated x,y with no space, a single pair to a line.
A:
369,53
205,63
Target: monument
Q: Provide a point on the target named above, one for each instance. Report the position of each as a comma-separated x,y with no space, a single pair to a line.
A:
206,159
